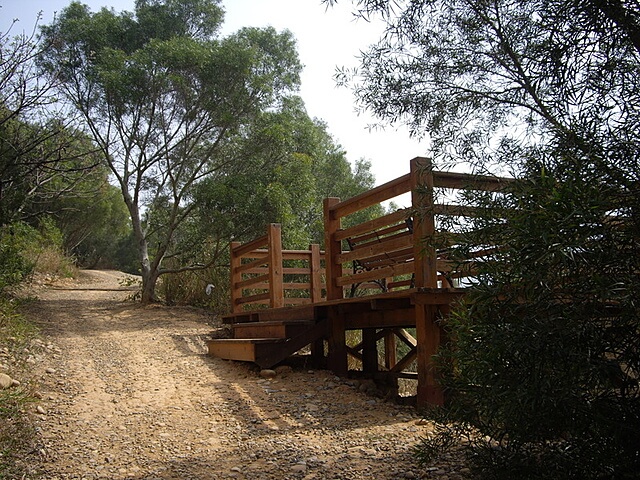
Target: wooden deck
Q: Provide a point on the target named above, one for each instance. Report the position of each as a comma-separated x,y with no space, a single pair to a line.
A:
380,278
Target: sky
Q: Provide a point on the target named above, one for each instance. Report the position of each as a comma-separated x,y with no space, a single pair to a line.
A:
327,38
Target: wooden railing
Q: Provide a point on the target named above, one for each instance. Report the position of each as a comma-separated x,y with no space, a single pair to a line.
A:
263,274
406,248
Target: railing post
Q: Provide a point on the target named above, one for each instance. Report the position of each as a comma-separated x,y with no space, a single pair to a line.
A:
332,249
424,226
274,246
236,293
314,273
426,275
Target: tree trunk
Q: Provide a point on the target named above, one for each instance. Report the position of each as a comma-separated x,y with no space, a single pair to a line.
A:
148,272
149,286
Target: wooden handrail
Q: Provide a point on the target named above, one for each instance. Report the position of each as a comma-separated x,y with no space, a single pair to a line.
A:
374,196
243,249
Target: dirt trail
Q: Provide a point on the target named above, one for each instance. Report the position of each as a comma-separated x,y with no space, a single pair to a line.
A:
129,393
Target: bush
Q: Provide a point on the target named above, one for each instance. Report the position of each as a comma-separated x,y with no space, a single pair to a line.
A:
25,249
544,364
190,288
14,264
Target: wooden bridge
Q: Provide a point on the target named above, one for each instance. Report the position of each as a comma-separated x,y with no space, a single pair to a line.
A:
389,279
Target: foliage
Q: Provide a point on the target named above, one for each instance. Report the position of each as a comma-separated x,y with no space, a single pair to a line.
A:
95,223
548,368
14,267
291,165
208,288
41,158
543,369
163,97
25,249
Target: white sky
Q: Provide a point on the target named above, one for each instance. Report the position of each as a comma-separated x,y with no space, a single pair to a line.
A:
326,38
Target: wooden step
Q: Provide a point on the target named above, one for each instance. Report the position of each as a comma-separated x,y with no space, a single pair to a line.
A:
245,349
268,352
299,312
273,329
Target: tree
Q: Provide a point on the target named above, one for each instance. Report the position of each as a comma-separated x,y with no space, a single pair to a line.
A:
41,157
292,165
543,373
162,96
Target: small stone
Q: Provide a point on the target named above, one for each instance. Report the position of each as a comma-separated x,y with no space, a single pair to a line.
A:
5,381
267,373
15,383
50,370
300,467
422,422
41,410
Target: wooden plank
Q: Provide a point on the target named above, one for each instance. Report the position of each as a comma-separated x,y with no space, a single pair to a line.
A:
241,351
235,277
468,181
406,337
281,329
237,318
437,296
241,250
374,196
253,298
385,272
380,319
337,360
267,356
388,258
384,246
258,262
296,271
298,254
244,284
399,229
422,184
332,249
428,337
407,360
401,283
304,312
390,303
315,289
369,351
376,223
390,349
296,300
276,289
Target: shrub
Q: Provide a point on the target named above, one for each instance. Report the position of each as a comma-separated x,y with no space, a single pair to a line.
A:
544,364
14,264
